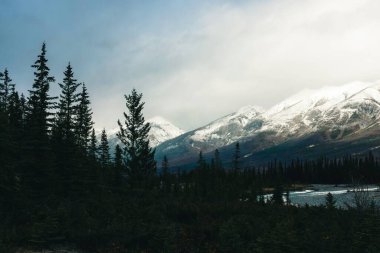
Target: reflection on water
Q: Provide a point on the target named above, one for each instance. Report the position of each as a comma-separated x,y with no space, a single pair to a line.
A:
316,195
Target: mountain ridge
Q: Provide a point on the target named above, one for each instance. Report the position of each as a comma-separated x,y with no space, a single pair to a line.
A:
335,112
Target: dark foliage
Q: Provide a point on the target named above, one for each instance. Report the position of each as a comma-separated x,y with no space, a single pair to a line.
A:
58,187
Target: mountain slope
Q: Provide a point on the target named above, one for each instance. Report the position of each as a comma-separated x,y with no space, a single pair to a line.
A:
335,114
162,130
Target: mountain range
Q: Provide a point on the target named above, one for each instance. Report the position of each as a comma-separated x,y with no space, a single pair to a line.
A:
331,121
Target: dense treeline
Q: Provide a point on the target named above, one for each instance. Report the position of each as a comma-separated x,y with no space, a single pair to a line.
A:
59,186
348,169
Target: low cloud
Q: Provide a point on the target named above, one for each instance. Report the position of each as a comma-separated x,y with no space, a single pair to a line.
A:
199,61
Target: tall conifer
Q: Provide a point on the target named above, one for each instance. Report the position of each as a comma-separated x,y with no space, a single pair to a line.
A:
134,135
84,121
68,104
40,102
7,89
104,149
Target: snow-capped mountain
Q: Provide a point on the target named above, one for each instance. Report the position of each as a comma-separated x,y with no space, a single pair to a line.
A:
230,128
161,130
337,113
335,108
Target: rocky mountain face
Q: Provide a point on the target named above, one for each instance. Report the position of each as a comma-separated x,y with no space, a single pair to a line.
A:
327,121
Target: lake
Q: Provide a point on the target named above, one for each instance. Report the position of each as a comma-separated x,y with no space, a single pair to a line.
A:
316,194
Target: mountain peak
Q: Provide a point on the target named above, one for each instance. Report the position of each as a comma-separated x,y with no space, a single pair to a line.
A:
250,109
162,130
336,113
158,120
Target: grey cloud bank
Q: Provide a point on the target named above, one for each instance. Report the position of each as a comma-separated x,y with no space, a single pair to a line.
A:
194,60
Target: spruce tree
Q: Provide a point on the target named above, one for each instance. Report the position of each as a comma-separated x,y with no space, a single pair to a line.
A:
133,134
118,165
84,121
104,149
7,89
201,163
92,149
67,105
7,175
330,201
23,104
40,102
15,112
277,197
165,165
217,160
118,157
236,158
39,167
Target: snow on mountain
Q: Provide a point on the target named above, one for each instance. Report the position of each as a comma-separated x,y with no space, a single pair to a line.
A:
337,111
229,128
329,107
161,130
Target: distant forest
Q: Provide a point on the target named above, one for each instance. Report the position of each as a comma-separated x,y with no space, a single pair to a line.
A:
60,187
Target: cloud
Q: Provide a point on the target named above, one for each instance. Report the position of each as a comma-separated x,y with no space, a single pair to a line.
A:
199,60
252,53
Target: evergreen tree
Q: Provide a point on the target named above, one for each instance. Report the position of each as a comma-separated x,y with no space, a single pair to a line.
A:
104,149
40,103
7,172
84,119
165,165
236,158
93,150
7,175
118,157
7,89
39,164
330,201
201,163
15,112
277,197
217,160
133,134
23,105
68,105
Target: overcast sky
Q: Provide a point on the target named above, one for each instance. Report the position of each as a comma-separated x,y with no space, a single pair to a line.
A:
193,60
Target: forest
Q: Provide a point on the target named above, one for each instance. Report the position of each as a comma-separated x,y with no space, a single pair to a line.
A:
61,187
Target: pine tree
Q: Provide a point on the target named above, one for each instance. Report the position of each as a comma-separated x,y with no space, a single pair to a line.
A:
165,165
40,103
277,197
7,175
133,134
84,121
23,104
118,157
15,112
67,105
92,149
217,160
201,163
330,201
7,89
104,149
236,158
39,164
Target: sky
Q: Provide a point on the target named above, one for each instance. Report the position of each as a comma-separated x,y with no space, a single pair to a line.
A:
195,60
